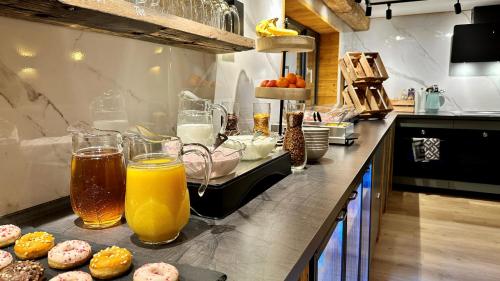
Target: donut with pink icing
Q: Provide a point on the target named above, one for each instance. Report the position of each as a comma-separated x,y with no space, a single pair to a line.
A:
156,272
73,276
9,234
69,254
5,259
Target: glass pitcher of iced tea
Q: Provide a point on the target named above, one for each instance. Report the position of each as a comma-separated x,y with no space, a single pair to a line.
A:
97,188
157,199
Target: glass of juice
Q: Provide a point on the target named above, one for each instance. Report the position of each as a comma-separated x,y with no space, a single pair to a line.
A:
261,115
157,204
97,188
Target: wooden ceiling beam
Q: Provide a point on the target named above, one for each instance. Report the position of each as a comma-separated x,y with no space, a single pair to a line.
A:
302,12
350,12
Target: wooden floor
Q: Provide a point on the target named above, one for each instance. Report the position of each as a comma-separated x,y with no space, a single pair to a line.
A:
435,237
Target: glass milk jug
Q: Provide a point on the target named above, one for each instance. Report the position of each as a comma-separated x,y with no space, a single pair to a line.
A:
195,120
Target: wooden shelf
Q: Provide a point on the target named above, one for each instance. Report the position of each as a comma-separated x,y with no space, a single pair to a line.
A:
119,18
282,93
278,44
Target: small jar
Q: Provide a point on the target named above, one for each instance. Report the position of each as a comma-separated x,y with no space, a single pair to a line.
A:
233,112
294,141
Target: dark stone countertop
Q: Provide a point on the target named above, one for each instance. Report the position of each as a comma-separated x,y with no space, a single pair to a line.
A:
273,236
470,115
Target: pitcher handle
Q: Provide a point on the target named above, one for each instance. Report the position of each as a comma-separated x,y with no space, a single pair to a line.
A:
223,112
207,157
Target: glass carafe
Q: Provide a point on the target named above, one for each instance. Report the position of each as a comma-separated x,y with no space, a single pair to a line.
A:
294,141
157,199
97,188
195,120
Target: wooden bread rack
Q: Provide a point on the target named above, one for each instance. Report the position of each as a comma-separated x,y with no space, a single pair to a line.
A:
362,79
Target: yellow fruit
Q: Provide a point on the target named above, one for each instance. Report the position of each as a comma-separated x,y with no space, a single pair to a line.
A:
268,27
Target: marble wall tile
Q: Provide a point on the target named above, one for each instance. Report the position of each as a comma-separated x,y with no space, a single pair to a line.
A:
48,77
416,52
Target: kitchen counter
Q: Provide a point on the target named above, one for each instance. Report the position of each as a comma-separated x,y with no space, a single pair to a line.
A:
468,115
273,237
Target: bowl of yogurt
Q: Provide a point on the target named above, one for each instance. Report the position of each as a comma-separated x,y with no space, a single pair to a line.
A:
255,148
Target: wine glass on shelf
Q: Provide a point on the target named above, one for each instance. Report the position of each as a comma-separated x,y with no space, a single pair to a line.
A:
236,19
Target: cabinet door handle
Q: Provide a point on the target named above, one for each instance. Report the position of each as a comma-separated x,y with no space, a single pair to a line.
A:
342,215
378,195
353,195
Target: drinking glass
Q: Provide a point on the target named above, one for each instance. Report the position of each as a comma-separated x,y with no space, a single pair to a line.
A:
233,113
235,27
261,116
97,188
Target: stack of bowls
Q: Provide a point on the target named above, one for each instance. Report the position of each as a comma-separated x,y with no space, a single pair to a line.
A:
316,142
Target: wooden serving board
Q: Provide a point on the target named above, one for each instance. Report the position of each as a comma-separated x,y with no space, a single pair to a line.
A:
282,93
187,272
278,44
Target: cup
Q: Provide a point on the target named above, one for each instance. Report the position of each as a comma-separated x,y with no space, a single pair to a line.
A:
233,113
261,116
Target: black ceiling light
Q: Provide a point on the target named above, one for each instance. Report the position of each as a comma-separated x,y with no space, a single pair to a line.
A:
388,13
458,7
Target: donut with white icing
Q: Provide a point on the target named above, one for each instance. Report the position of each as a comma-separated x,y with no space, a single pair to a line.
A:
69,254
5,259
73,276
9,234
156,272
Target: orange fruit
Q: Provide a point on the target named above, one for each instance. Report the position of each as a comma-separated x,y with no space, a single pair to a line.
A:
292,86
264,83
301,83
282,83
271,83
292,78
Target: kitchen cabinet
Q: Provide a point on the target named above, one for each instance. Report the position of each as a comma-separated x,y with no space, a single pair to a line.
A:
330,262
346,253
475,157
366,224
353,250
468,153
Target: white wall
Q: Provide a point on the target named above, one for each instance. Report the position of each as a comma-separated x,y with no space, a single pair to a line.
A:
43,89
416,53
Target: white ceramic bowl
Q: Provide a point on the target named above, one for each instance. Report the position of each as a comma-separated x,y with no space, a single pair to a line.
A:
314,154
258,149
224,159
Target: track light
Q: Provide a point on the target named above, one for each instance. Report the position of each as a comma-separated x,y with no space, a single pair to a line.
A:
388,13
368,11
458,7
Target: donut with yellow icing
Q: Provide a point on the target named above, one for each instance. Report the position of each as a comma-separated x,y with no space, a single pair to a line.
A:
8,234
69,254
34,245
110,262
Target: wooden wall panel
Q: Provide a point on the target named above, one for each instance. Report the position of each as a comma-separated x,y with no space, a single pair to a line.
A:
328,68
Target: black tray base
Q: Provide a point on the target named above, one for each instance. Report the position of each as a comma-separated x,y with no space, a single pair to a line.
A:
224,196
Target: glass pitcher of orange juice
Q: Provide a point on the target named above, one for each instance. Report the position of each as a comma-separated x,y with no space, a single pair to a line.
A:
157,199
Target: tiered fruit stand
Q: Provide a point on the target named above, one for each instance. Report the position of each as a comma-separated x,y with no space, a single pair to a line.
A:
284,44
